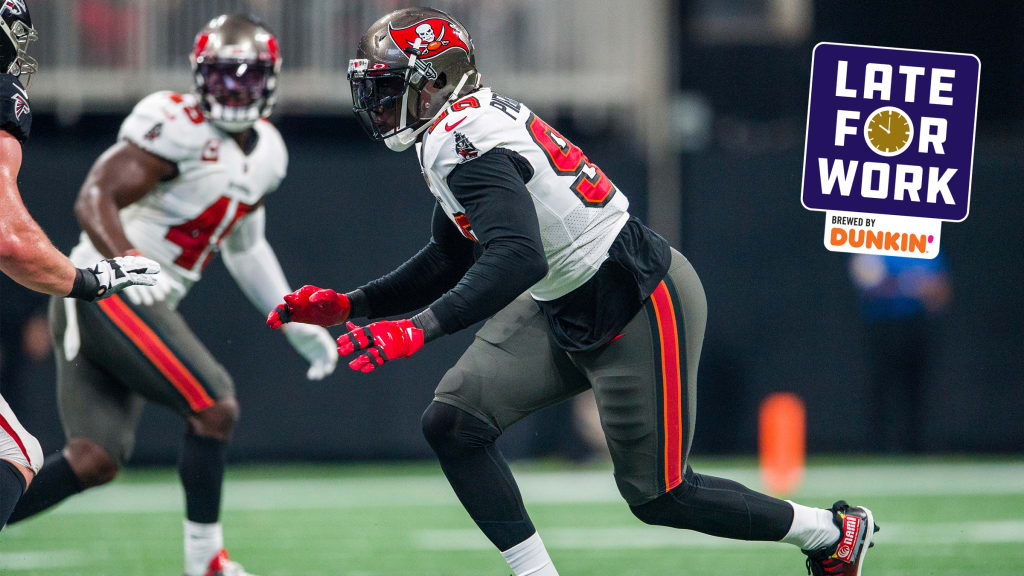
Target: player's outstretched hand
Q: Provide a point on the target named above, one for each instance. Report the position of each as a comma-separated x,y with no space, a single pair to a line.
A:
316,346
110,276
310,305
382,341
148,295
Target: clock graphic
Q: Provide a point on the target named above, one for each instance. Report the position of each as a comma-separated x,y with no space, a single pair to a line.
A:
888,131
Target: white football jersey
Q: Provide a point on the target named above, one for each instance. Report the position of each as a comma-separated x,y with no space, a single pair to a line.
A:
181,222
580,211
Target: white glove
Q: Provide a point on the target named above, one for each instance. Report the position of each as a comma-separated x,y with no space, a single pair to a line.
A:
316,346
108,277
147,295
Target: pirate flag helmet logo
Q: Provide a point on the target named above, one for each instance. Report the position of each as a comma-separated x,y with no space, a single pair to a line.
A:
427,38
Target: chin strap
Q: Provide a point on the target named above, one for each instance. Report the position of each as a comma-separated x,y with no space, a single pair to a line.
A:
403,139
396,142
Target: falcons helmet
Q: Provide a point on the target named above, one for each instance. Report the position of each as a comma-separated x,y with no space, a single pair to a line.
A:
235,62
410,65
17,33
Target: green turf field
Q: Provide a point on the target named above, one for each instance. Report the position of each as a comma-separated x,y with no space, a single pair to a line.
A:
950,517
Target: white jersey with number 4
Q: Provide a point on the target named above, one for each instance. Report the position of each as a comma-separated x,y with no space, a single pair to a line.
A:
181,222
580,211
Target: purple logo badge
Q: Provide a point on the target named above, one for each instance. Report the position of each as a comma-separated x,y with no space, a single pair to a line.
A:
890,131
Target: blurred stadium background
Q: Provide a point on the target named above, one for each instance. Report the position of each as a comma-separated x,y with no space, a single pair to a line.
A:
697,110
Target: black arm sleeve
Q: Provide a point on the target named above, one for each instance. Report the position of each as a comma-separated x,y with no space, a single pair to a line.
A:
425,276
492,189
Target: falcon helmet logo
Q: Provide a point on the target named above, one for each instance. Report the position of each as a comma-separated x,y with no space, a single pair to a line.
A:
20,106
16,7
428,38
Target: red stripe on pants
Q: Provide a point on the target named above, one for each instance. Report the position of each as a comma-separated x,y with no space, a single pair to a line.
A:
157,352
671,385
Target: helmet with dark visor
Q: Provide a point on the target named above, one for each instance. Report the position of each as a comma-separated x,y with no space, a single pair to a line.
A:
385,99
409,65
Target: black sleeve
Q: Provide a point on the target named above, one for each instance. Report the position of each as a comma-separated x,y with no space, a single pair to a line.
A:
425,276
15,112
492,189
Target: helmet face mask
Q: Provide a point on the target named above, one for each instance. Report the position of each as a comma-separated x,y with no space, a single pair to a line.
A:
403,73
385,102
16,33
235,63
235,83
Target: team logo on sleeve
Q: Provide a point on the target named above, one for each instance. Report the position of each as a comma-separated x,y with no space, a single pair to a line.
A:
20,104
464,147
435,36
154,132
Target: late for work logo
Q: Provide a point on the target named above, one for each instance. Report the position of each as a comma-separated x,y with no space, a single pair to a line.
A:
890,146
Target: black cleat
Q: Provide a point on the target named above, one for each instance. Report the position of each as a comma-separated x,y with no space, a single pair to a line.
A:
845,557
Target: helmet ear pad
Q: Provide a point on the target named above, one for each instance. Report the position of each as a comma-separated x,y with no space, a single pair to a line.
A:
432,98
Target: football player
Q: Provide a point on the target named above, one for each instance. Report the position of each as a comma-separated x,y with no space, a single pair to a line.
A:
26,254
186,178
579,294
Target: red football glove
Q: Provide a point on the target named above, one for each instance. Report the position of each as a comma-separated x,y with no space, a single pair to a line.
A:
383,341
310,305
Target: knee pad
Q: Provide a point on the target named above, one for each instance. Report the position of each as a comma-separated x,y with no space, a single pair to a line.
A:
450,430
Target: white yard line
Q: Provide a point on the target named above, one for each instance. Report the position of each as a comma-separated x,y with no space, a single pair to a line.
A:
41,559
565,487
649,537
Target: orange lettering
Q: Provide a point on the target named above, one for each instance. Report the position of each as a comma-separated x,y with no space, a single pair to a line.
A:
874,239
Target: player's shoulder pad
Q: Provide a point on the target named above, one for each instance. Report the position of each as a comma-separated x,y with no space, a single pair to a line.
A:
276,152
469,128
15,111
167,124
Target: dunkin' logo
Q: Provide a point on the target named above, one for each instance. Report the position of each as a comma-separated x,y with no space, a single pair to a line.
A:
851,527
890,134
882,234
879,240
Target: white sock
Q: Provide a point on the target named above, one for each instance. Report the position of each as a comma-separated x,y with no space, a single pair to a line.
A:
202,543
530,558
812,528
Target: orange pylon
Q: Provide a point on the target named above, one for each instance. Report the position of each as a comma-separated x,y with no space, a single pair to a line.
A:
782,432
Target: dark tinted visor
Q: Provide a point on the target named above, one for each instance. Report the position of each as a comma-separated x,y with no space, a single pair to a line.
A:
235,83
374,91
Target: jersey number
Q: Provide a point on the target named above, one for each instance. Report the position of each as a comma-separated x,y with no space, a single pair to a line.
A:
193,112
592,187
468,102
194,236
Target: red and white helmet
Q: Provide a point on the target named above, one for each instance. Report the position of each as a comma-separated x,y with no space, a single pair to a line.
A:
235,63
